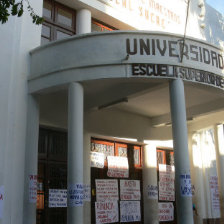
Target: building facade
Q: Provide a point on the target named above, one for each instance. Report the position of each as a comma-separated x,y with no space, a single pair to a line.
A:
112,111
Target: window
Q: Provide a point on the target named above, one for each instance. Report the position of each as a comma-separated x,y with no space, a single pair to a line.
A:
100,27
59,22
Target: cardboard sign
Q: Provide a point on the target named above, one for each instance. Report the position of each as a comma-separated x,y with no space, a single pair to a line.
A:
33,188
166,183
57,198
118,167
97,159
106,212
2,195
152,192
75,195
106,190
166,211
130,211
185,185
130,190
213,182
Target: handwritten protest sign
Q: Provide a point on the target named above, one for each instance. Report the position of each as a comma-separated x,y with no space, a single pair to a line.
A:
106,189
166,183
33,188
1,201
152,192
75,195
166,211
130,211
130,190
106,212
97,159
57,198
185,185
213,181
117,167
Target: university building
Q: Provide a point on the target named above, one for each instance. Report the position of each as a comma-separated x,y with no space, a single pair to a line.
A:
112,111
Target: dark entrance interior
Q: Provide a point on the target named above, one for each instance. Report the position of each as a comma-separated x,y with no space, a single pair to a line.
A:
52,174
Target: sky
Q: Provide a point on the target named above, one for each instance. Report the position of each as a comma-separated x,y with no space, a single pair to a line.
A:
217,4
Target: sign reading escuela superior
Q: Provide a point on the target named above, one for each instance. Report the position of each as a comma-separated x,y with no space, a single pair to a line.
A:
167,57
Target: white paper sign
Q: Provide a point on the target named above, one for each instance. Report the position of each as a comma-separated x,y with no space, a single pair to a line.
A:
130,190
106,212
166,211
152,192
130,211
106,190
118,167
97,159
185,185
33,188
57,198
166,183
2,195
213,181
75,197
86,192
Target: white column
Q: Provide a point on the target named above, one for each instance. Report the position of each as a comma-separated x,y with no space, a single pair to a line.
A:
150,180
75,154
181,155
32,132
83,21
219,137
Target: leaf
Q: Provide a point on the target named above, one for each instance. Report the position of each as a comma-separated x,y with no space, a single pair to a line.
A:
14,10
20,12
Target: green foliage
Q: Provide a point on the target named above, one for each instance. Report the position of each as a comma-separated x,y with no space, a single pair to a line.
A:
10,7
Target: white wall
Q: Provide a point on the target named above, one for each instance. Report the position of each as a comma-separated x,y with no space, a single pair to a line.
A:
18,36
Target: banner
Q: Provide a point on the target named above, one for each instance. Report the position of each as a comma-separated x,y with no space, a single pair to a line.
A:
57,198
130,211
166,211
166,183
185,185
118,167
213,181
130,190
106,190
106,212
33,188
97,159
152,192
75,195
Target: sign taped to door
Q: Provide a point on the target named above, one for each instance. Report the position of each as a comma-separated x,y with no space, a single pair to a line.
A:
106,212
130,190
118,167
106,189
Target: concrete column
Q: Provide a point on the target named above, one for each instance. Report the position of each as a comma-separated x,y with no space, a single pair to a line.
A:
219,138
31,161
150,180
83,21
181,155
75,154
87,174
